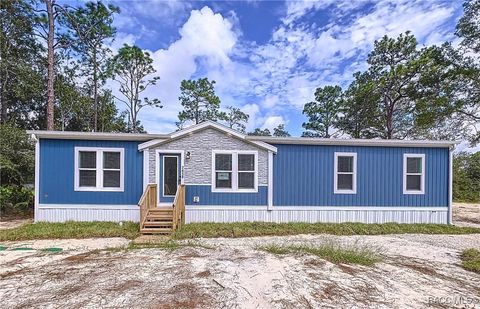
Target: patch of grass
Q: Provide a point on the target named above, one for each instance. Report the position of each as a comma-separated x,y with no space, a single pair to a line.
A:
167,245
331,252
275,249
471,259
71,229
251,229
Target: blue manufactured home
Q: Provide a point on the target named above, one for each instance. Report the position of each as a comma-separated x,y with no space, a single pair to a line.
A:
225,176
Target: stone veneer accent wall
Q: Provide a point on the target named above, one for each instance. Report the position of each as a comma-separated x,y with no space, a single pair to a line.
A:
198,169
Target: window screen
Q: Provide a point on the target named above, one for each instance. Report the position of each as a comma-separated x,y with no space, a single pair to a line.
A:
414,174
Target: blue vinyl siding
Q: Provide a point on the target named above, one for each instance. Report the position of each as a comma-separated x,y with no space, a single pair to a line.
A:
304,176
207,197
57,173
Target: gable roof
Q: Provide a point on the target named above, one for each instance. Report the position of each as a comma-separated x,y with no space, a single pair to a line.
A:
202,126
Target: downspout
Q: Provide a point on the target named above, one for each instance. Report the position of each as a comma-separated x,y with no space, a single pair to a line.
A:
450,186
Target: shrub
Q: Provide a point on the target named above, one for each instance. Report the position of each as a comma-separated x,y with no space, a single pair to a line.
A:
15,200
466,177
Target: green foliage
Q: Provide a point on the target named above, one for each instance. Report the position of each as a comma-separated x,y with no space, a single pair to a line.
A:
395,66
358,111
466,177
73,108
471,259
468,27
44,230
90,29
332,252
17,156
21,75
323,112
131,68
467,95
235,118
15,199
260,132
199,101
252,229
17,159
280,131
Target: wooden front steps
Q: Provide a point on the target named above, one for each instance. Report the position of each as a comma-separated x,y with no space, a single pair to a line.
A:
158,221
161,220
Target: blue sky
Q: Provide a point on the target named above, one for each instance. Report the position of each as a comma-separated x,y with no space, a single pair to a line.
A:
268,57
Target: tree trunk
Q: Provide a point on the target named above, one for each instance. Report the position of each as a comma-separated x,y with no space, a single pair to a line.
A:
95,90
389,124
3,102
50,64
389,107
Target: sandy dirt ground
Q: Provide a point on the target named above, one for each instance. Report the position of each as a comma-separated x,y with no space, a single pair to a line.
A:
10,224
465,214
417,271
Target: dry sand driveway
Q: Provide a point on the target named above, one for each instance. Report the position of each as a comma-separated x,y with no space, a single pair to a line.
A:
417,271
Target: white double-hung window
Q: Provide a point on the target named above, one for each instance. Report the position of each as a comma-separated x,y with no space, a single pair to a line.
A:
99,169
345,173
234,171
413,173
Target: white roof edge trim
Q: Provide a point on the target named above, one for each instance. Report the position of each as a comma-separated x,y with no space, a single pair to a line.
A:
94,135
353,142
151,143
204,125
264,145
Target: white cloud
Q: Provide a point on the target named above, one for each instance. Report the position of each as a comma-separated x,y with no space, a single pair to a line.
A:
205,37
465,147
253,112
270,101
272,122
302,56
271,82
121,39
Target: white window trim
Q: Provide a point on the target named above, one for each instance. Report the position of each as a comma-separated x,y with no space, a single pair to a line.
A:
163,173
235,188
99,169
422,180
354,173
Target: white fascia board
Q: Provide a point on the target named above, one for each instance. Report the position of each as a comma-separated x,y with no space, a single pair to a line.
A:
151,143
95,135
352,142
263,145
205,125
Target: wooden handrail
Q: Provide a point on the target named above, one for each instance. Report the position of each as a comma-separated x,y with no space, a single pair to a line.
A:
179,207
147,201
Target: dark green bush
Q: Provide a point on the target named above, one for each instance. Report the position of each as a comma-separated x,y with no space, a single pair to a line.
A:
17,156
466,177
15,200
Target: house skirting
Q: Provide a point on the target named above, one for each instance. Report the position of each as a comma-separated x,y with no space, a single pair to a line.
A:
69,212
279,214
